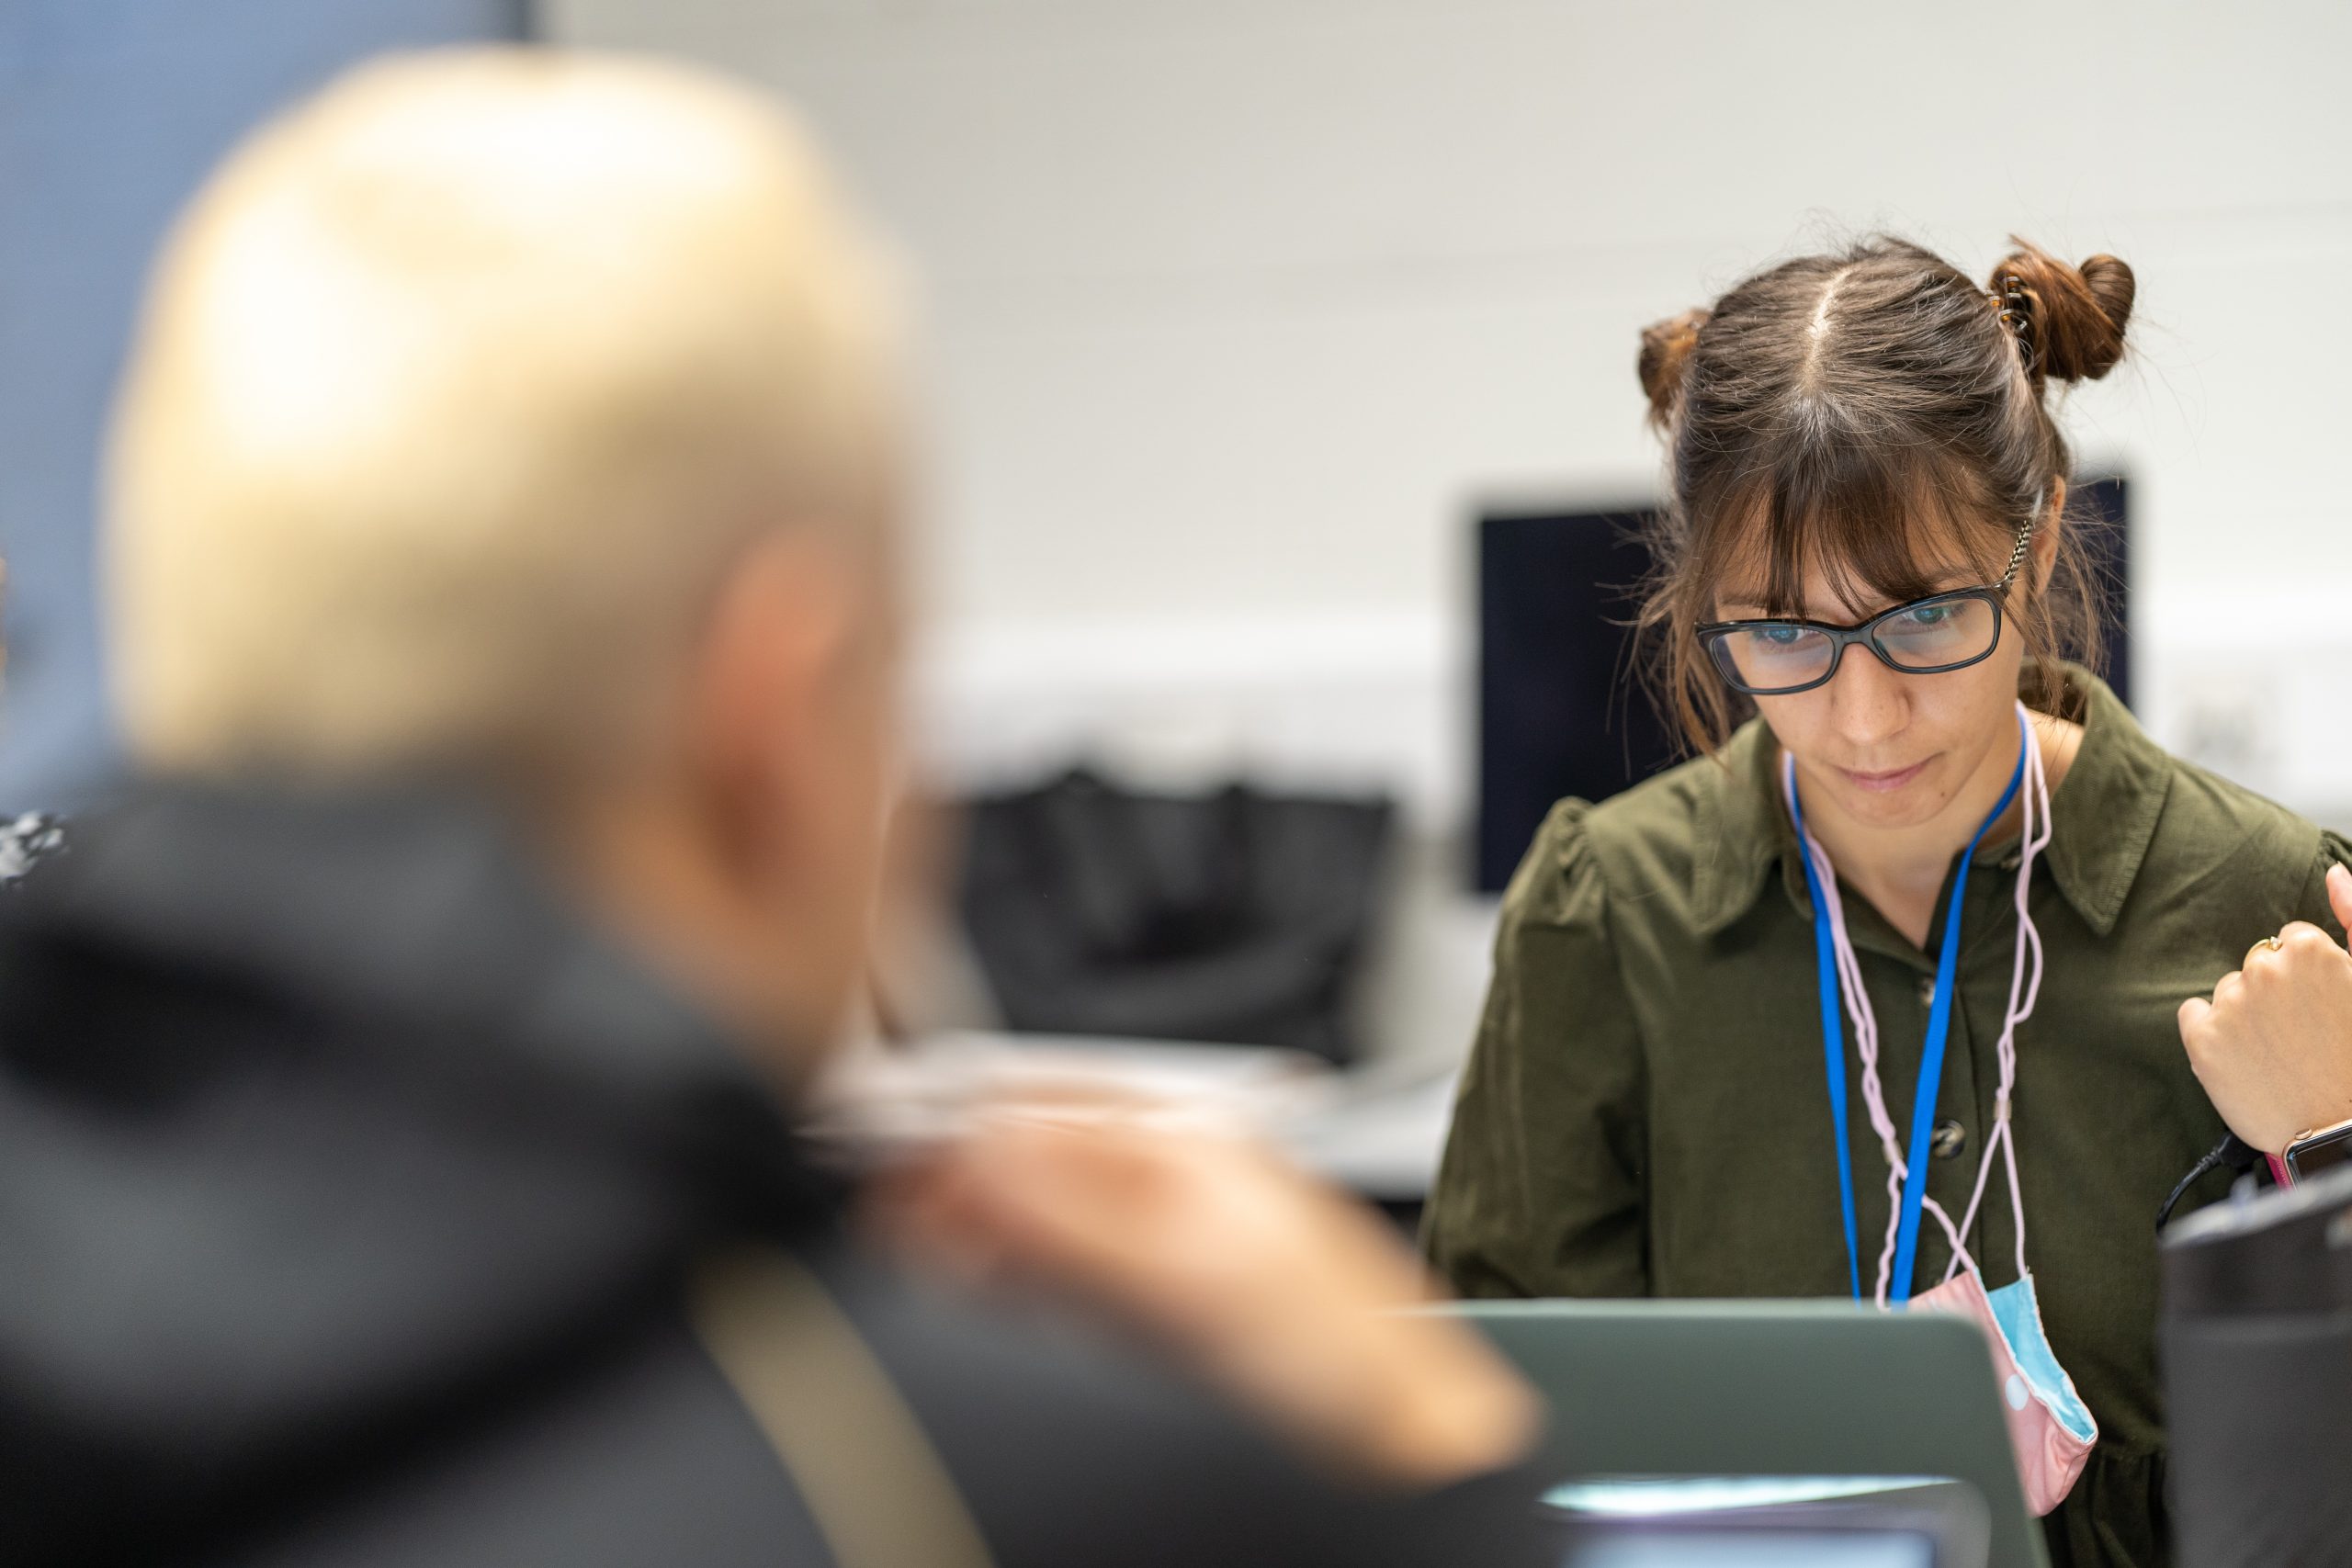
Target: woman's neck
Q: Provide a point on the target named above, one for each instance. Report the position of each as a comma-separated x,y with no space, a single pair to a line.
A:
1901,870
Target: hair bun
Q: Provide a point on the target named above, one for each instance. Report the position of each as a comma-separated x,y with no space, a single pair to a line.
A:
1665,354
2072,317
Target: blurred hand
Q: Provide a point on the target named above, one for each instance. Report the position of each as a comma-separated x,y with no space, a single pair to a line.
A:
1275,1289
2273,1047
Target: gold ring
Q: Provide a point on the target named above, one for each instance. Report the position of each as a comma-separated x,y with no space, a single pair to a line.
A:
2269,942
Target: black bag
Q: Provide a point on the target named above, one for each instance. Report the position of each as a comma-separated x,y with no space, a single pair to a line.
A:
2257,1342
1235,916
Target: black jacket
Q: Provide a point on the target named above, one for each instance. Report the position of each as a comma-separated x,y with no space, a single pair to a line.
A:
348,1191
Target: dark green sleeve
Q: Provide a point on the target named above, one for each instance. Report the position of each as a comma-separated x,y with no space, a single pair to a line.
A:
2334,849
1540,1193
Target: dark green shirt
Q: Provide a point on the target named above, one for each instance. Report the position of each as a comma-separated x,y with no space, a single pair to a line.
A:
1644,1114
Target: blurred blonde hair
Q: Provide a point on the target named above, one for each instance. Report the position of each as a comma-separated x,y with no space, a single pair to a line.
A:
458,387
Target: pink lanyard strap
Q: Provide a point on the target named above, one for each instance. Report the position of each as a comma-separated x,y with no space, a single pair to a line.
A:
2025,987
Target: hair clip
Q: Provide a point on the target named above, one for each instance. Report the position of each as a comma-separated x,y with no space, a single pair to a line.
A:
2013,302
2025,543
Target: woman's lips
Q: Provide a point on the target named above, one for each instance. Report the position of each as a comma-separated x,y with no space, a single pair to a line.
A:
1881,783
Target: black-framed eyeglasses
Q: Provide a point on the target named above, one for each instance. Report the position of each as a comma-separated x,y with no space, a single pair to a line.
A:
1926,637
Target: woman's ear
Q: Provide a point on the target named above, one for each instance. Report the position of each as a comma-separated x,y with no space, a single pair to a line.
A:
2044,553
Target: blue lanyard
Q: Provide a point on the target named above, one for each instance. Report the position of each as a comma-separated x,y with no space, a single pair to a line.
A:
1931,1055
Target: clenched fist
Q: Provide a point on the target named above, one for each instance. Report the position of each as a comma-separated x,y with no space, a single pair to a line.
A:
2273,1047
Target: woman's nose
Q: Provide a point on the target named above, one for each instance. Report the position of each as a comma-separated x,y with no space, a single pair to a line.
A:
1868,704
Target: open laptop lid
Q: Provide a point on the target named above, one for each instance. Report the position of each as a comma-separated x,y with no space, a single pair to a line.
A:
1753,1388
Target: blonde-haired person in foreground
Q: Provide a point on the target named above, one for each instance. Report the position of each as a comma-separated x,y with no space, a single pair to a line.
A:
397,1087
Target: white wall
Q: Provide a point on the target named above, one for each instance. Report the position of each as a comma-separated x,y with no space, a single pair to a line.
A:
1236,309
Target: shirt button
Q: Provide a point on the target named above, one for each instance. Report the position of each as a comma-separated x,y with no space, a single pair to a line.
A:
1927,990
1947,1139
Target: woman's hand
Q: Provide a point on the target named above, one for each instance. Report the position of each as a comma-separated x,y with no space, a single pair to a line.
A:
1274,1289
2273,1047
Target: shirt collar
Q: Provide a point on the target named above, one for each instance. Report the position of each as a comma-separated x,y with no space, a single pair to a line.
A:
2103,816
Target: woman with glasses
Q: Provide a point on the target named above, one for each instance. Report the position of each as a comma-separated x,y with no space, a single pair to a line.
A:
1877,996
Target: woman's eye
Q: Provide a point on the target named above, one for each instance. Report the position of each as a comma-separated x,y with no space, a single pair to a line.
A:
1928,615
1779,636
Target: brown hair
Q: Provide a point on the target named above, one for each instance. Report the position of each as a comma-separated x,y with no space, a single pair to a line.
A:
1864,407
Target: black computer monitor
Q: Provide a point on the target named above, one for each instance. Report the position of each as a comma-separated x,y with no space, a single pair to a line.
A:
1561,711
1561,708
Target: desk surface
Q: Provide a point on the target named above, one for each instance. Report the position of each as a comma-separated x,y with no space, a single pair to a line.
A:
1377,1131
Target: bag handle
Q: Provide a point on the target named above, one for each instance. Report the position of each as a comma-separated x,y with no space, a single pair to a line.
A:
872,1478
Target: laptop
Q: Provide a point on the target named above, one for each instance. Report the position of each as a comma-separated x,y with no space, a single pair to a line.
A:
1701,1432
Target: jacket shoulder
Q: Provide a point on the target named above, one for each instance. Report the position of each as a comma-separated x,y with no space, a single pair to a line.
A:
2215,831
1638,853
2203,809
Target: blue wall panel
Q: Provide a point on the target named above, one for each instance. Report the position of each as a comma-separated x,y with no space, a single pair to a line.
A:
111,113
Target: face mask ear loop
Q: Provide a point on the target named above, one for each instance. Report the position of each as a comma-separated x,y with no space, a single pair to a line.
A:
2025,989
1858,1009
2029,936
